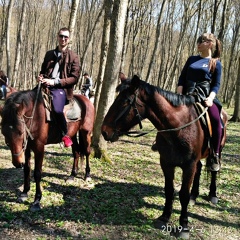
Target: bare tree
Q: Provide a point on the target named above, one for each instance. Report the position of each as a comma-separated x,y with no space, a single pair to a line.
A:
3,32
8,27
19,44
111,71
157,40
104,48
236,113
72,19
90,35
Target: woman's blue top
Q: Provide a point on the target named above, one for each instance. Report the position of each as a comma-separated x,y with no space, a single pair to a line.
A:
196,69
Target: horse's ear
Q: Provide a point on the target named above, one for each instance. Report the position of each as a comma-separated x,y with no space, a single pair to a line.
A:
135,82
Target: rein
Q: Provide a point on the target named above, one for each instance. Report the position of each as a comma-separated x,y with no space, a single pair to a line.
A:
133,103
28,130
186,125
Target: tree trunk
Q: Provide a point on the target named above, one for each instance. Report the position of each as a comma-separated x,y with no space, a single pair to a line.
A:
104,49
72,19
157,41
8,28
236,114
111,72
3,35
19,44
84,54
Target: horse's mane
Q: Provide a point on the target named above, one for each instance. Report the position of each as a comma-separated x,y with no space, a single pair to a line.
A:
173,98
9,112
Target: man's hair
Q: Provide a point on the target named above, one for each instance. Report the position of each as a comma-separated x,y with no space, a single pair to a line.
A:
63,29
85,74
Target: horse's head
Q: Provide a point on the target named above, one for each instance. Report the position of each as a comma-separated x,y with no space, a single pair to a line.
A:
126,111
14,129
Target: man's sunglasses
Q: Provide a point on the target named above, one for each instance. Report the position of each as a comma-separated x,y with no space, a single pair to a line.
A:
63,36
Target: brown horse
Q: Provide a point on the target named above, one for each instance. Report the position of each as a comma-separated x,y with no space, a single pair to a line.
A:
181,139
25,128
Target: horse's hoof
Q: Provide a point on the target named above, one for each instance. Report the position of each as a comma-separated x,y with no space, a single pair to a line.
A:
70,179
214,200
192,202
184,234
36,206
88,179
160,223
22,198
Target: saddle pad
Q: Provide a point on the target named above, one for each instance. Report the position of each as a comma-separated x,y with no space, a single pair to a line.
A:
72,111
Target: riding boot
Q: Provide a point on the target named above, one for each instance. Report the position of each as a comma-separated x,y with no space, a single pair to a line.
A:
63,126
67,141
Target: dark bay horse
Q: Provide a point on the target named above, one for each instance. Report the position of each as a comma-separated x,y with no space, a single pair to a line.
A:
181,139
26,129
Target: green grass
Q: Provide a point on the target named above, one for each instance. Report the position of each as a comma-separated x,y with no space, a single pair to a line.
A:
122,200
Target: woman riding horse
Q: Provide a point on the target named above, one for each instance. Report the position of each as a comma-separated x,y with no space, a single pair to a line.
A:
181,138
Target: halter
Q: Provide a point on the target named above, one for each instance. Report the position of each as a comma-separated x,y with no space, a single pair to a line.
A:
132,103
27,131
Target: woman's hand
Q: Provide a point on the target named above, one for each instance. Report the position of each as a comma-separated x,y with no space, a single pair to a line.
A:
208,102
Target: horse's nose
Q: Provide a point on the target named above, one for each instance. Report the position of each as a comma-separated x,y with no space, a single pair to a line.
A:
19,165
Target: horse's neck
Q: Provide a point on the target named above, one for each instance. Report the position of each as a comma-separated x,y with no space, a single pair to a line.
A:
164,115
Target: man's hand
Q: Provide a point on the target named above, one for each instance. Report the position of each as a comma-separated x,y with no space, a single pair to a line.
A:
45,81
48,82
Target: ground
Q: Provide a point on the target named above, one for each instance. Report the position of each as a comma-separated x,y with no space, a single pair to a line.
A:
122,200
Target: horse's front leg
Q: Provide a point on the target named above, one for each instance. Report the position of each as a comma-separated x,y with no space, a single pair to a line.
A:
169,197
213,188
184,196
38,176
195,186
27,175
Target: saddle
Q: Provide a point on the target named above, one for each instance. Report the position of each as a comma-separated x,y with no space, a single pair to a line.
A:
205,119
72,110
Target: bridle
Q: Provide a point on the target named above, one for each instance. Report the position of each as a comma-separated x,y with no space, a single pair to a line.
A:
132,104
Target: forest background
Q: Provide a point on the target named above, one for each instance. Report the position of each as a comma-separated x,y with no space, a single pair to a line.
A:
150,38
